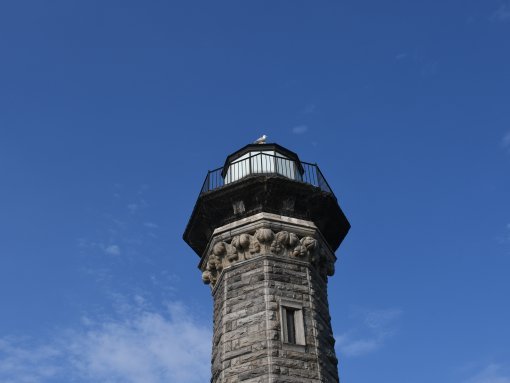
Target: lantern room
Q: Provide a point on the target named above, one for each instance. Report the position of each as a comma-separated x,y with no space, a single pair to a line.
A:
262,159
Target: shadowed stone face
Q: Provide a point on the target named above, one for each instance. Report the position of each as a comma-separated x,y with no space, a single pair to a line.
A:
269,194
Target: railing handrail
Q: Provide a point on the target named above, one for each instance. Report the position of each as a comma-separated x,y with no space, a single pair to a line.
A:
262,153
308,173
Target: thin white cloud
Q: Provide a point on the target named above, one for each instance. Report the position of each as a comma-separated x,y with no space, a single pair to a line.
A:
356,347
505,142
504,238
144,346
502,13
377,326
300,129
310,109
133,207
112,250
380,319
493,373
147,348
151,225
20,363
143,189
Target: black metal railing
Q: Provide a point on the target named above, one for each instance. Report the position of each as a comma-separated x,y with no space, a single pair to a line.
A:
266,164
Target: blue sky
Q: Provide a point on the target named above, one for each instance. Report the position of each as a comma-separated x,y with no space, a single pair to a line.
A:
111,113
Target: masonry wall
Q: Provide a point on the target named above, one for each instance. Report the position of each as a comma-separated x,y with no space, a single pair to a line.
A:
247,343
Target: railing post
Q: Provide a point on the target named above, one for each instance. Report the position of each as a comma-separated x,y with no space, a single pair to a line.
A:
323,180
205,185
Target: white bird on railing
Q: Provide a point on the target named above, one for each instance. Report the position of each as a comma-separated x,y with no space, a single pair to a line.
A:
261,140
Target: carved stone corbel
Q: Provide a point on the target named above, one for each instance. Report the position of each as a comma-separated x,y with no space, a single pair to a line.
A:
265,241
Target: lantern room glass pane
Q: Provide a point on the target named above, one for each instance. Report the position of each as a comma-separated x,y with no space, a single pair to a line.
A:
262,162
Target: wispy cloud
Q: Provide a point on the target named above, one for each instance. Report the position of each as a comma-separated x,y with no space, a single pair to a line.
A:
493,373
112,250
376,327
120,231
145,346
505,141
138,340
502,14
310,109
504,237
355,347
401,56
22,363
300,129
381,319
133,208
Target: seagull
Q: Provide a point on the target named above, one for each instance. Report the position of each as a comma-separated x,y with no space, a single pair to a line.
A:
261,140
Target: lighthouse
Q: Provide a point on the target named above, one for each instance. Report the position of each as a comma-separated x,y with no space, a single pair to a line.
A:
266,226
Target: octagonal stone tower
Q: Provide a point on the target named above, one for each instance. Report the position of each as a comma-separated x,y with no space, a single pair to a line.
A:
266,226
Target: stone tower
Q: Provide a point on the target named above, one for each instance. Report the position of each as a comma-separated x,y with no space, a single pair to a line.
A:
265,227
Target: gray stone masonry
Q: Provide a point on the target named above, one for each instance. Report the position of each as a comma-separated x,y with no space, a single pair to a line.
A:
258,267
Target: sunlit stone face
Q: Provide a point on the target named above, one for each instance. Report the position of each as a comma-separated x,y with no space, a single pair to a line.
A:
262,162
